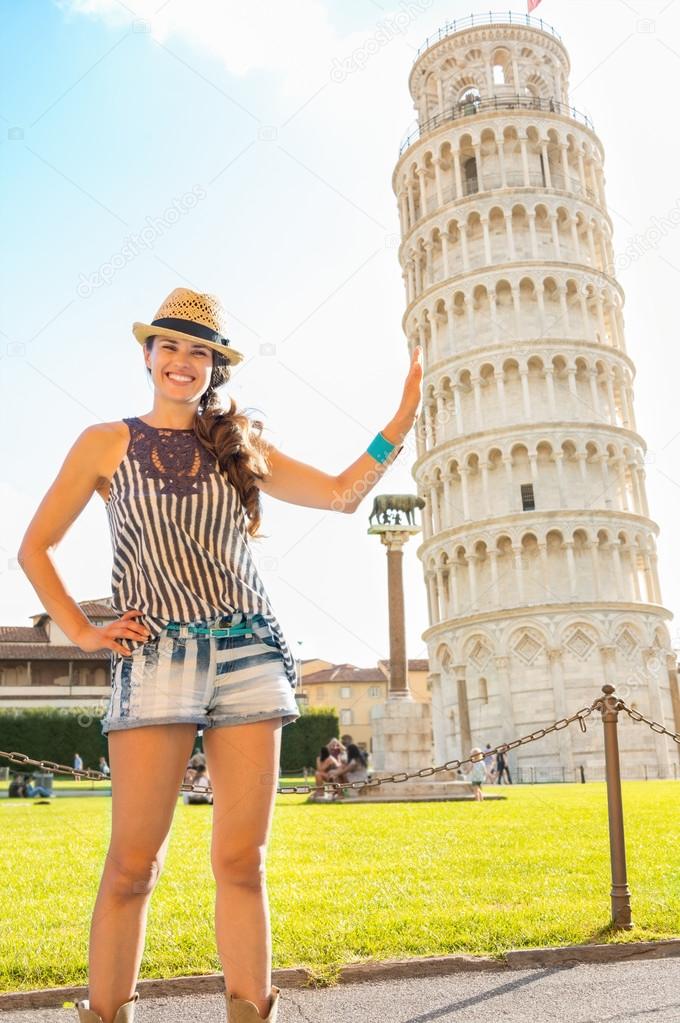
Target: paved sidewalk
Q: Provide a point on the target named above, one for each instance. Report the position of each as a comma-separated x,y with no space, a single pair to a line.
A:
626,992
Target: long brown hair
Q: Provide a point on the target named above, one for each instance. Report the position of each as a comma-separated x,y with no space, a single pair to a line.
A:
234,439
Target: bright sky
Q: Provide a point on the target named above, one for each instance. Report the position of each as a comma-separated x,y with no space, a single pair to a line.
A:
115,116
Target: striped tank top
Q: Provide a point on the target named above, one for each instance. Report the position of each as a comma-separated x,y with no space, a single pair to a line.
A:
178,531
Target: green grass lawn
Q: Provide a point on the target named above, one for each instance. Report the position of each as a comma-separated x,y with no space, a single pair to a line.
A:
349,882
61,784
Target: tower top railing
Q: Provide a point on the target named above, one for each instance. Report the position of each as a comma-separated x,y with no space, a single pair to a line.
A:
488,18
469,108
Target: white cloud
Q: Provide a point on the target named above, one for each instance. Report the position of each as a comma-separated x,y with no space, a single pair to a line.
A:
295,38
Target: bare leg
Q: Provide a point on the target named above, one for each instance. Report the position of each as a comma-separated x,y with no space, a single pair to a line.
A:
143,802
319,778
337,775
243,763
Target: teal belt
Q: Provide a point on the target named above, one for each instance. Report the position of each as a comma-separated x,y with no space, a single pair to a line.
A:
242,629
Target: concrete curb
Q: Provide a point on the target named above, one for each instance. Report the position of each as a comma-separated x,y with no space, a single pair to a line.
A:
369,972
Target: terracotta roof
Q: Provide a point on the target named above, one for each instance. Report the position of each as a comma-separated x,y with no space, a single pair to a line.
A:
32,643
100,608
414,664
350,673
344,673
49,652
23,634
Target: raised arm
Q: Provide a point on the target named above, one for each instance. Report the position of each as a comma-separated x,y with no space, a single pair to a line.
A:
299,483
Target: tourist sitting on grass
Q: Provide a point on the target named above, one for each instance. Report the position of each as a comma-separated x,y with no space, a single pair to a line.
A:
36,790
17,787
338,750
197,758
356,769
325,763
201,780
188,779
22,787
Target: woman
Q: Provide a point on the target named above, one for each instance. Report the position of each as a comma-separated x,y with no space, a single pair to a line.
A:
356,769
324,763
181,487
337,750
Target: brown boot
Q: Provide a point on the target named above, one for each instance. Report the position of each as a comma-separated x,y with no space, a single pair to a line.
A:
241,1010
125,1014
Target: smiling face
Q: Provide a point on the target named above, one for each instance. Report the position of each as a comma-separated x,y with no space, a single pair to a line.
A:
180,369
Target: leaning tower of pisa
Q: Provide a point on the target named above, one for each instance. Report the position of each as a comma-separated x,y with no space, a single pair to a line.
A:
538,549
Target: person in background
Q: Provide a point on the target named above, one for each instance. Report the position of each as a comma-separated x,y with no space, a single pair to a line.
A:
188,779
77,764
17,787
338,750
354,770
104,767
36,790
490,761
324,764
502,768
477,772
201,781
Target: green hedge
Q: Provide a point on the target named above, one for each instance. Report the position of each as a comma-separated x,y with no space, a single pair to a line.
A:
56,733
52,733
302,740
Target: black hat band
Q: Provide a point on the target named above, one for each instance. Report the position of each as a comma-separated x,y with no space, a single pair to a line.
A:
190,327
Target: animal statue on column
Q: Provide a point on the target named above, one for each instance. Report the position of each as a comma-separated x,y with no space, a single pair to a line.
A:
387,508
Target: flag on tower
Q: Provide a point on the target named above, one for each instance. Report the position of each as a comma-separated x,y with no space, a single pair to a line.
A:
531,5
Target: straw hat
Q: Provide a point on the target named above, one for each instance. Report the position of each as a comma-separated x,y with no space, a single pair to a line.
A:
189,315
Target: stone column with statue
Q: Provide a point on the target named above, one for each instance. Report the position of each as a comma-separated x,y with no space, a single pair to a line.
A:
402,726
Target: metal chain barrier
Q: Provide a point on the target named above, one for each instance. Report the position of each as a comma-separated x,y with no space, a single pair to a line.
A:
452,765
372,783
424,772
654,725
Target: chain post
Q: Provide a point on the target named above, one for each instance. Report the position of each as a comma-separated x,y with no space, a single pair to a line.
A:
620,892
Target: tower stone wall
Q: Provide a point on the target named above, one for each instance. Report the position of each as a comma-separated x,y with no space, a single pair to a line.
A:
538,550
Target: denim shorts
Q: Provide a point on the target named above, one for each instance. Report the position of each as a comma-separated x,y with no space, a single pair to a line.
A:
209,680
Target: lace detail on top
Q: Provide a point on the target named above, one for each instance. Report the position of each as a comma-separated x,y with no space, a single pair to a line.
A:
175,458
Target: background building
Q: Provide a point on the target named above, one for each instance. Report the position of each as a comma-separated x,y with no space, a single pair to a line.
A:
538,549
353,692
40,666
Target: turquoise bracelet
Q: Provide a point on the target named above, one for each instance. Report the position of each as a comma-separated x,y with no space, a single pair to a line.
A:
380,448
